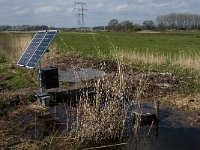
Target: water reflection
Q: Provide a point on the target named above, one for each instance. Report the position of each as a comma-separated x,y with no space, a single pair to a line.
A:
172,133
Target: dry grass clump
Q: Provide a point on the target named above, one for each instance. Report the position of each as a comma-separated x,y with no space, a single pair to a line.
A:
146,57
184,59
189,103
98,124
17,46
105,118
188,61
52,57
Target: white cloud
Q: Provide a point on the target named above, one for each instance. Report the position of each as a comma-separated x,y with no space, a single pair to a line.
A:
119,8
174,4
69,12
99,6
20,11
47,9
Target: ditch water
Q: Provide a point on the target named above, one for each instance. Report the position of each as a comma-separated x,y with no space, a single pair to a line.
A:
174,131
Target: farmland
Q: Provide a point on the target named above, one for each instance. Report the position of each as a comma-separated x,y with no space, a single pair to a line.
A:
146,67
177,53
163,43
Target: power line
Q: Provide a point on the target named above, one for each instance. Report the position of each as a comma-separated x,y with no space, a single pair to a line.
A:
80,7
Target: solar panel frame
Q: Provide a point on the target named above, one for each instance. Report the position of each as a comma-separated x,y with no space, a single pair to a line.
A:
32,47
41,49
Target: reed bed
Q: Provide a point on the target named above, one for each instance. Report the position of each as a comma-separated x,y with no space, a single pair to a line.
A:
183,60
103,119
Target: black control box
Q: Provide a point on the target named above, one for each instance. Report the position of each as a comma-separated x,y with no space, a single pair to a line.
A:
49,77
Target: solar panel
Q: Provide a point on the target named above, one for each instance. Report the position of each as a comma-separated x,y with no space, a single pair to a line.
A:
36,48
31,48
43,46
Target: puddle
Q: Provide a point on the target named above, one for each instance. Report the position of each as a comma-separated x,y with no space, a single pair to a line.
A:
174,130
80,74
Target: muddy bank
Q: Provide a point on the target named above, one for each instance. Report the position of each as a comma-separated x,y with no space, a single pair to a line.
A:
149,85
190,103
9,99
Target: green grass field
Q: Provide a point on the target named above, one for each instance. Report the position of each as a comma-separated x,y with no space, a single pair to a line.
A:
178,53
88,44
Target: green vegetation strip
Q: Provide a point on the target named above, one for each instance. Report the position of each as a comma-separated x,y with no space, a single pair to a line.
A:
171,45
91,44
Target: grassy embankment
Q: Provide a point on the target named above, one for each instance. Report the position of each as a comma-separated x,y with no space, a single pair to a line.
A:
10,44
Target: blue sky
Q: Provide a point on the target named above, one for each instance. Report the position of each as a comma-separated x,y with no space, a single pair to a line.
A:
61,13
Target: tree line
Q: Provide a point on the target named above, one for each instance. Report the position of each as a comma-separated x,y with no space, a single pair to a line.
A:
179,21
25,27
173,21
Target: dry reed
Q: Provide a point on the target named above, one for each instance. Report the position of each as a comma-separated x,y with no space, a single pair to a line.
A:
105,120
184,59
147,57
188,61
17,46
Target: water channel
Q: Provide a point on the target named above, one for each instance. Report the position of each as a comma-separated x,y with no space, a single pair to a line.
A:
175,130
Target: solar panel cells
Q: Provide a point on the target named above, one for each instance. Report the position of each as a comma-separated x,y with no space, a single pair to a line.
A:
43,46
31,48
36,48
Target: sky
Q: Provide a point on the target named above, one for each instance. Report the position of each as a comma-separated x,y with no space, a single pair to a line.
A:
62,13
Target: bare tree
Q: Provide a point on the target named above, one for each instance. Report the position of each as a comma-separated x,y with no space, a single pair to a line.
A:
179,21
126,25
112,24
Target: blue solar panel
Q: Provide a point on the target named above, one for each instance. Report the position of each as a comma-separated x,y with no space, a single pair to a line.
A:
41,49
31,48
